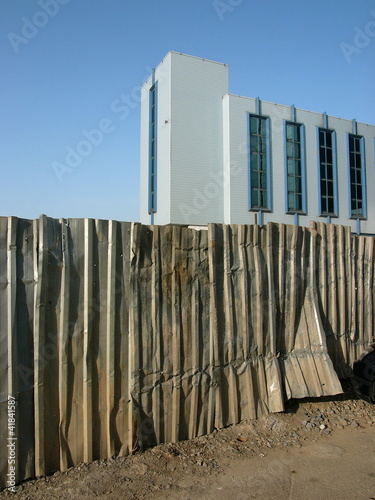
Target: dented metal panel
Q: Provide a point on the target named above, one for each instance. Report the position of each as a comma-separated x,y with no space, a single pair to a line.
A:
116,335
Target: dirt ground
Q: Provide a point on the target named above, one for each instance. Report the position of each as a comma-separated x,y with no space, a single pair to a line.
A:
318,449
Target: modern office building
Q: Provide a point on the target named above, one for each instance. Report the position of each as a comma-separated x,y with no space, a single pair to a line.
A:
210,156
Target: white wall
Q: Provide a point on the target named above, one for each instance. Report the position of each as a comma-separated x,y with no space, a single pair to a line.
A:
197,87
237,129
368,131
163,79
227,174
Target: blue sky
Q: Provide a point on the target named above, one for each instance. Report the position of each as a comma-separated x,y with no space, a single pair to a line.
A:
64,63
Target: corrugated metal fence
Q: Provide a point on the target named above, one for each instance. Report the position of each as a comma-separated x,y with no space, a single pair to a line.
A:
116,335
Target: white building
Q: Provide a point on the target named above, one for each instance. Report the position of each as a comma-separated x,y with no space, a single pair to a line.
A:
210,156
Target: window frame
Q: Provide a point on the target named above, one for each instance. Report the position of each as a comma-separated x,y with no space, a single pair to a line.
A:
152,149
363,216
251,206
302,158
334,173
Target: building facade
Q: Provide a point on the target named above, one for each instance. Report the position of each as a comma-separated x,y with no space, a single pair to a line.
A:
210,156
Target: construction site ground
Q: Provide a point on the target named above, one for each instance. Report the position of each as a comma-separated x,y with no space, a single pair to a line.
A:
317,449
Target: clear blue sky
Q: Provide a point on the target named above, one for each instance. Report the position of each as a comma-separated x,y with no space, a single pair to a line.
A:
62,77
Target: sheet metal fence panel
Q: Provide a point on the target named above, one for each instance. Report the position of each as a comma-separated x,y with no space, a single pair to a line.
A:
346,293
116,336
18,239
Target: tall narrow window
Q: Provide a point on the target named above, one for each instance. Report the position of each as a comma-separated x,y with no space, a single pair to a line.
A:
152,150
357,176
259,178
327,172
295,168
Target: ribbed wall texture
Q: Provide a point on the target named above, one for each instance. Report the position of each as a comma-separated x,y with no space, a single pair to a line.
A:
116,335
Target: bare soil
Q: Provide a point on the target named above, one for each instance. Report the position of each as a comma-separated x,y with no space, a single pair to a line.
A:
319,448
